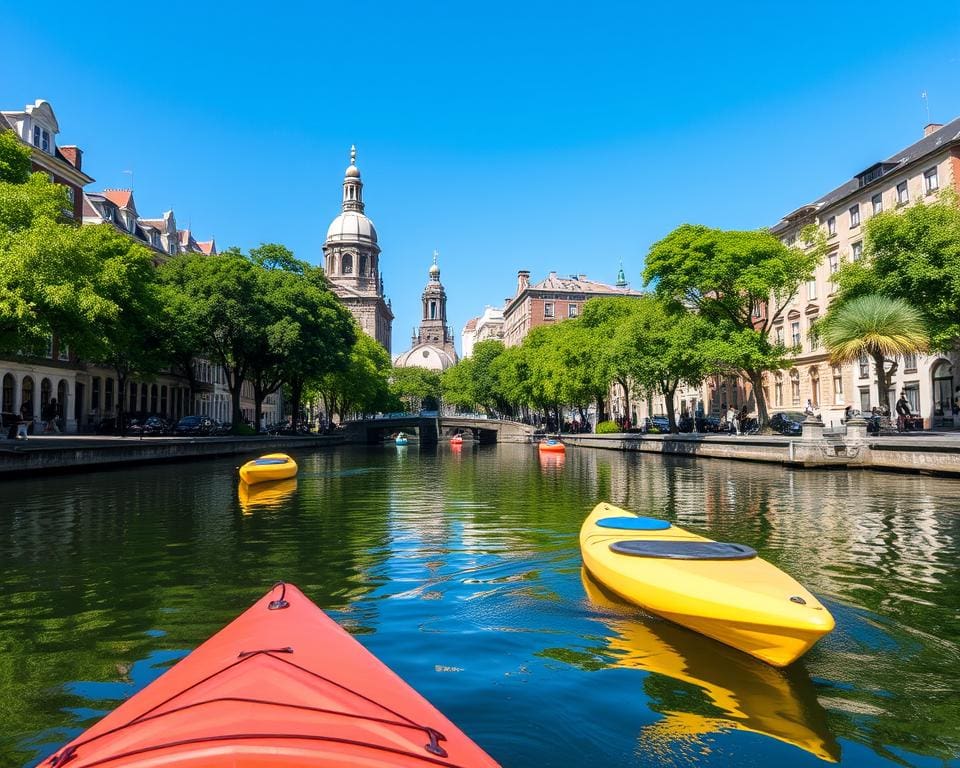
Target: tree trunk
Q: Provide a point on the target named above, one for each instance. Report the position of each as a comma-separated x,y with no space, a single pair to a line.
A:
626,398
296,394
258,398
884,377
759,396
601,408
121,405
668,393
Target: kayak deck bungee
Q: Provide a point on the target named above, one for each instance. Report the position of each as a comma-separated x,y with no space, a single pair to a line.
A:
273,466
551,446
719,589
281,686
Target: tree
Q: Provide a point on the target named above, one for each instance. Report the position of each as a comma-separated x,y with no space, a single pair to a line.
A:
604,317
729,277
48,272
304,331
362,386
662,346
877,326
913,254
219,297
14,159
130,339
414,385
457,385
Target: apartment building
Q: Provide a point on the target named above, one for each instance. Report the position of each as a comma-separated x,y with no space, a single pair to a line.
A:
917,172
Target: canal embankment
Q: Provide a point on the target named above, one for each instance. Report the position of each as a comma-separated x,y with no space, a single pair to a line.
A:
817,448
70,453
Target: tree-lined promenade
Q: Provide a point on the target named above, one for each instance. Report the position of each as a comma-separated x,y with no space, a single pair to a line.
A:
715,297
270,320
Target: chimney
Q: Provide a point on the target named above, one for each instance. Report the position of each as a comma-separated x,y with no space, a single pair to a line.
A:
523,280
931,128
73,155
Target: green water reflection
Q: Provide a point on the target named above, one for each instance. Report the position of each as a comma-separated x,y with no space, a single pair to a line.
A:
460,569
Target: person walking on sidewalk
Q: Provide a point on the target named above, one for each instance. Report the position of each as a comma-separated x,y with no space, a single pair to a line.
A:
903,412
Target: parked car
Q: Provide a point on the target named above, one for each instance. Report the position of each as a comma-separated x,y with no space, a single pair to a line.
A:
787,422
194,426
157,426
656,424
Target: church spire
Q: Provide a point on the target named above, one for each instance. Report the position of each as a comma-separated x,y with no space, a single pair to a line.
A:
352,186
621,277
434,269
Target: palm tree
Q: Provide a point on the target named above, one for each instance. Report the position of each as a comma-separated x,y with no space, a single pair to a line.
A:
877,326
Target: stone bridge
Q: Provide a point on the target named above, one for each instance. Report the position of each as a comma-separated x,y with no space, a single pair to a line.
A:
431,429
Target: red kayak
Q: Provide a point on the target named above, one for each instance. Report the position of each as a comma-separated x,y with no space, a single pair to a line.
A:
281,686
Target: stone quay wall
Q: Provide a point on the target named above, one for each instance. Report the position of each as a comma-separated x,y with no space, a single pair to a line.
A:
851,448
64,454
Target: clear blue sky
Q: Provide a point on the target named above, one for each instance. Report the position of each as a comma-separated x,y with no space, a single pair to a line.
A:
540,136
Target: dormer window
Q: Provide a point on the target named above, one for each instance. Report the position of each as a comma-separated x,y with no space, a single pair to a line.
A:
36,135
41,138
172,248
108,214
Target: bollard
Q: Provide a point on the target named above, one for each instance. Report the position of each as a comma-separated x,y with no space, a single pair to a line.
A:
812,429
856,430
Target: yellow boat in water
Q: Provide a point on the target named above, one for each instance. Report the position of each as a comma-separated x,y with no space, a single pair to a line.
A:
745,694
265,496
273,466
721,590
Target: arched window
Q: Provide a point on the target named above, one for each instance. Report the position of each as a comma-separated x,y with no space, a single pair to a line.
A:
7,403
363,265
46,391
163,400
61,397
346,264
153,398
26,393
108,395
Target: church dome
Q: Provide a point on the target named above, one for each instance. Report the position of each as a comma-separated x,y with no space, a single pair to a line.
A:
434,270
352,227
352,172
428,356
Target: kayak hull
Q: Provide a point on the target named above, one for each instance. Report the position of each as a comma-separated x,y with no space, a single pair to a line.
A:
268,469
748,604
280,686
554,447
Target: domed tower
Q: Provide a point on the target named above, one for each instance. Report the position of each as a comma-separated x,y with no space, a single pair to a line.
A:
352,260
432,343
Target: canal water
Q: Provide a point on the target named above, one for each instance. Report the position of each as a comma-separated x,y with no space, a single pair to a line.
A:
461,570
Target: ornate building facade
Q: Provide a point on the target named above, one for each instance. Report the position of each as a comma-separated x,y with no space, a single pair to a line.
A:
432,344
352,261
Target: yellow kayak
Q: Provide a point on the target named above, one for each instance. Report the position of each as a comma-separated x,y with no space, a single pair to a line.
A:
273,466
743,694
721,590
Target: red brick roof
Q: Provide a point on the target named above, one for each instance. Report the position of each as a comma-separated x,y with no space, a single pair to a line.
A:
122,198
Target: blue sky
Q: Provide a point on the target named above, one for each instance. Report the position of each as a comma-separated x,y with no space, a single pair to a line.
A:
540,136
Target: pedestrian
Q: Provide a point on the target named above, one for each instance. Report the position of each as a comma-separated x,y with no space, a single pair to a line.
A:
26,417
903,413
732,421
956,402
50,415
742,419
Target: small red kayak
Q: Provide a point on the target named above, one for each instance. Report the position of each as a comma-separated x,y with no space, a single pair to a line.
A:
281,686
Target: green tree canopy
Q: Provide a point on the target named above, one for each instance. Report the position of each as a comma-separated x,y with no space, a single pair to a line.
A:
413,385
14,159
362,386
913,254
740,281
662,345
